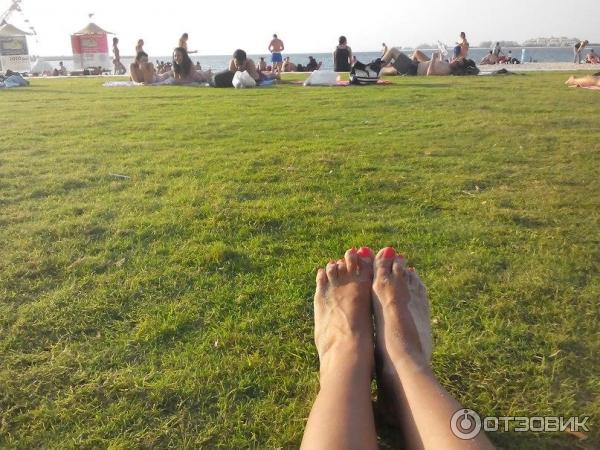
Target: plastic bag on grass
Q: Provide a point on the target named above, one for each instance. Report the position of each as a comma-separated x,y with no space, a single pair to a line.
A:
321,78
243,80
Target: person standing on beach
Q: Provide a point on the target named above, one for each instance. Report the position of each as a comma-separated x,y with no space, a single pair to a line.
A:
183,43
119,67
276,47
578,50
139,48
496,52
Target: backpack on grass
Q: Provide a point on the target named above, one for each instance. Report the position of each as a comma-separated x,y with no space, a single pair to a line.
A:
364,74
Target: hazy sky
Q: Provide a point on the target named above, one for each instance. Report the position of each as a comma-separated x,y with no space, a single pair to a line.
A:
219,27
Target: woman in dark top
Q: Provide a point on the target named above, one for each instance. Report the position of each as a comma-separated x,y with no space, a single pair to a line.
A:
342,56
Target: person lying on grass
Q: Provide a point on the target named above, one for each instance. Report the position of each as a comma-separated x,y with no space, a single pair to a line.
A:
143,71
240,63
182,71
591,81
421,64
351,294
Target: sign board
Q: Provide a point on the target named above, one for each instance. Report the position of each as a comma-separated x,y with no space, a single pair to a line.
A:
14,54
90,50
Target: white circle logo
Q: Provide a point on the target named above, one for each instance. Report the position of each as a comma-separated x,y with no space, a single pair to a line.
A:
465,424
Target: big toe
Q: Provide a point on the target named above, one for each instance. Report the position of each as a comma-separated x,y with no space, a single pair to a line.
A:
365,262
384,262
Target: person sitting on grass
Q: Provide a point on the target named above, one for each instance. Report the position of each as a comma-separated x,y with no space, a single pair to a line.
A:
184,71
488,59
262,64
421,64
342,56
352,294
592,57
288,66
462,47
312,64
62,70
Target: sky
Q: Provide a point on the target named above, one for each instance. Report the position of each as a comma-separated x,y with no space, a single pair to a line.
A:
219,27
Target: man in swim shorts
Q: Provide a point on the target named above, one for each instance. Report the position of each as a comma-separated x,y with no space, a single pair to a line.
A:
276,47
418,64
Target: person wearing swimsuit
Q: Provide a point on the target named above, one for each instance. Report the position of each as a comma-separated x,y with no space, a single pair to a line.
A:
119,67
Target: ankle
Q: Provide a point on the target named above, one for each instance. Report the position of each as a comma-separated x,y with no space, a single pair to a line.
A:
334,375
346,361
406,361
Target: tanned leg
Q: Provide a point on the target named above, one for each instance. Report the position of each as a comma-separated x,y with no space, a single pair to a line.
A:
421,406
342,415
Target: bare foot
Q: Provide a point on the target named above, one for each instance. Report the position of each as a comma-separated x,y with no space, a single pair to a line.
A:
402,325
343,324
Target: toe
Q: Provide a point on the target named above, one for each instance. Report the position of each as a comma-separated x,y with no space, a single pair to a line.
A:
383,261
351,259
366,253
365,261
399,265
342,269
332,271
322,282
321,291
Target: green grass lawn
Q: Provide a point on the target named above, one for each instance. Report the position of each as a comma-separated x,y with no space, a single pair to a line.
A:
173,309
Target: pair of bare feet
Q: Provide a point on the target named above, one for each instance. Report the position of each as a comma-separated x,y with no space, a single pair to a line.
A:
371,312
359,288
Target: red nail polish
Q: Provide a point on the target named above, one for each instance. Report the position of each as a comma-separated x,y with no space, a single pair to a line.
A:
389,253
411,269
365,252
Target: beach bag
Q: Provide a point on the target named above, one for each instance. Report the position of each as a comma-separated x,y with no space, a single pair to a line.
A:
243,80
223,79
321,78
363,74
470,68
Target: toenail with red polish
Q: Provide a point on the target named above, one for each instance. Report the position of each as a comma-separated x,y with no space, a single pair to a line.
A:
389,253
411,269
365,252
